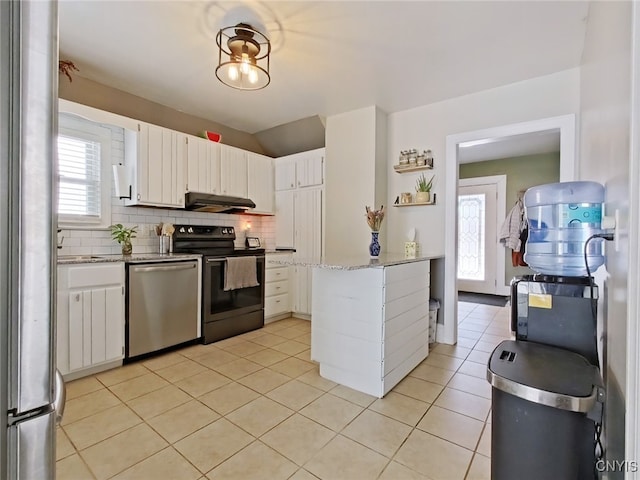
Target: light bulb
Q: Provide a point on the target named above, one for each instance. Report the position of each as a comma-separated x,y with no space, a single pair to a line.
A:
245,65
253,76
233,73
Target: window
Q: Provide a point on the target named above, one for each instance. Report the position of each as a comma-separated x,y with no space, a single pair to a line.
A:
84,159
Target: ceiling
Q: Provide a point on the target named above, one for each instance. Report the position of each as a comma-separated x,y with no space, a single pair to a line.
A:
328,57
535,143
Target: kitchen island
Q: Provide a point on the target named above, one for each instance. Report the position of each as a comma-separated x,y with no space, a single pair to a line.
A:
370,318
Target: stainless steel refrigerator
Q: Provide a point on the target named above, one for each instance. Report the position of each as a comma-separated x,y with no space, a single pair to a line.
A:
28,99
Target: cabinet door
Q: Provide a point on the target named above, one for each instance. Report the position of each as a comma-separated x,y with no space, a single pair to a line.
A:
308,223
203,165
285,173
309,168
260,182
233,171
285,237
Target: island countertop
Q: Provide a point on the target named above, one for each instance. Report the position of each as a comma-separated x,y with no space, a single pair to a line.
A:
353,262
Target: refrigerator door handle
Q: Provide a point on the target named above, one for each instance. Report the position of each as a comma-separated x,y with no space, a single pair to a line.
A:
59,396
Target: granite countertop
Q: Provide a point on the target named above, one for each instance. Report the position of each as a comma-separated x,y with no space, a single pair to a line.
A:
354,262
133,258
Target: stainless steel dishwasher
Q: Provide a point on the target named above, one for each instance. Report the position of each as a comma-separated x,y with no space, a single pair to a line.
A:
163,300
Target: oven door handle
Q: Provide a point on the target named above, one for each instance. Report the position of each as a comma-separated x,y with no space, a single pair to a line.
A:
222,259
166,268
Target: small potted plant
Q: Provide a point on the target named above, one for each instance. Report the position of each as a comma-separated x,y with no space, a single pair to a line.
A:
123,235
423,189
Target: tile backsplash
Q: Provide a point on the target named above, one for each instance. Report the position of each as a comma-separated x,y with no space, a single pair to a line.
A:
99,242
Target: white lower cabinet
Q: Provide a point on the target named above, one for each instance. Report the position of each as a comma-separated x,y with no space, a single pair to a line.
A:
277,301
90,318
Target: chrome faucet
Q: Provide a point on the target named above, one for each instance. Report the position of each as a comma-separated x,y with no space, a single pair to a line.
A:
60,239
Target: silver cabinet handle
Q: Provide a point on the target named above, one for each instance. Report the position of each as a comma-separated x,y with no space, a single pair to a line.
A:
59,396
186,266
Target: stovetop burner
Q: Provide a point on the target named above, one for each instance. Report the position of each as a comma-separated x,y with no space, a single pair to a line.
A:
210,240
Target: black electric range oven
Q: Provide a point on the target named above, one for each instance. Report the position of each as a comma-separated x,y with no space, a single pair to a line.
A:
224,313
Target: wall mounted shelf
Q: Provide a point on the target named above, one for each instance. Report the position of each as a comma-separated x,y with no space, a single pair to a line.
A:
407,169
412,204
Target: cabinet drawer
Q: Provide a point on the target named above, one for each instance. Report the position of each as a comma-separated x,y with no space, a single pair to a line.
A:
276,304
276,274
85,276
276,288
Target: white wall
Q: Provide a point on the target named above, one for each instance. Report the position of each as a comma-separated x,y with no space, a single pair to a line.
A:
351,178
605,157
428,126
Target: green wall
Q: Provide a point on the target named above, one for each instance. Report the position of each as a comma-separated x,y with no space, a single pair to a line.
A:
522,173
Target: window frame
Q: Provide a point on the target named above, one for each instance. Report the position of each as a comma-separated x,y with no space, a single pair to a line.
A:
81,128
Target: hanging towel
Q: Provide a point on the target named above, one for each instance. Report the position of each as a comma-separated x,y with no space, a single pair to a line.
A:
240,272
512,227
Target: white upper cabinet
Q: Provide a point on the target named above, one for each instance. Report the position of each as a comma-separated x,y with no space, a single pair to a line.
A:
233,171
300,170
156,157
260,183
285,229
203,165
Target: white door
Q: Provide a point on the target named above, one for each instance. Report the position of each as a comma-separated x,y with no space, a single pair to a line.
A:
477,238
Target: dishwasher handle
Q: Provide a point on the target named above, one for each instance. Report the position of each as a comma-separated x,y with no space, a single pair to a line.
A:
166,268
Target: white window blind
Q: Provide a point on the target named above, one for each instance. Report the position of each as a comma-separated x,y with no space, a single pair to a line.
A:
79,170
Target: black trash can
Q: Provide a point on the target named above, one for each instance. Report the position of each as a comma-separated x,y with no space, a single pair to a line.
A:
541,396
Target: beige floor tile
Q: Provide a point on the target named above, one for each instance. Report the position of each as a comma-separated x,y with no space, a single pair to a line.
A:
166,463
479,357
267,357
100,426
238,368
202,383
464,333
443,361
304,338
215,357
80,387
469,324
487,337
397,471
484,447
487,347
298,438
331,411
264,380
213,444
432,374
226,399
253,463
345,459
464,403
474,369
418,389
274,327
434,457
451,426
456,351
158,402
121,451
480,468
269,340
193,351
302,474
89,404
230,342
259,416
163,361
295,394
471,384
290,347
293,367
466,342
354,396
183,420
244,349
380,433
73,468
400,407
121,374
138,386
290,333
181,370
252,334
64,448
313,378
305,355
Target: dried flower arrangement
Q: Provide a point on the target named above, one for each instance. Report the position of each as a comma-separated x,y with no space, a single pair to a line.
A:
67,67
374,218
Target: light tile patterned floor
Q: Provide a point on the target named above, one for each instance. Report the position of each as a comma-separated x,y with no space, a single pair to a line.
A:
254,407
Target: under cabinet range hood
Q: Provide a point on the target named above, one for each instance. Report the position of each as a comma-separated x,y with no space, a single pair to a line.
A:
207,202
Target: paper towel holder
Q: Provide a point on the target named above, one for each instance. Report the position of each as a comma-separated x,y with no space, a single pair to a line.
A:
122,183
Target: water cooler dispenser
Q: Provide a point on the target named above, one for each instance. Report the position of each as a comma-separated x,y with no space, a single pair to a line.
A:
547,394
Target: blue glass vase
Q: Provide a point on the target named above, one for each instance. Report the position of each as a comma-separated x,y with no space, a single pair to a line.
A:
374,246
